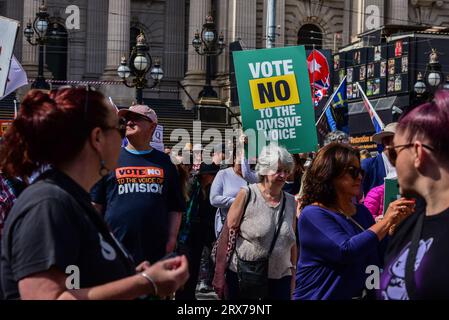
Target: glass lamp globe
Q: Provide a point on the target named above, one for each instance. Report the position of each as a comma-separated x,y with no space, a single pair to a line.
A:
157,73
420,87
29,31
140,63
209,36
42,26
434,79
123,71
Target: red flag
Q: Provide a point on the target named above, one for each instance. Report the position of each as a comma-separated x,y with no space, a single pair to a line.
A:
318,74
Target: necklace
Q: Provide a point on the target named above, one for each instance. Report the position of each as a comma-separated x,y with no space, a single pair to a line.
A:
351,219
341,213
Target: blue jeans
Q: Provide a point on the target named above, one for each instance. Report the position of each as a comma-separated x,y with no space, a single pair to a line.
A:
278,289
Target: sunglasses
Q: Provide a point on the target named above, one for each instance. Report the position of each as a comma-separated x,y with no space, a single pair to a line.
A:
136,117
355,172
393,154
120,127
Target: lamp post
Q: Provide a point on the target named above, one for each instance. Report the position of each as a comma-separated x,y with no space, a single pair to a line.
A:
425,86
140,62
208,44
40,26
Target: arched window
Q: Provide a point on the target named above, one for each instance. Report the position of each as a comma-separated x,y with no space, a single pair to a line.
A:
56,51
310,35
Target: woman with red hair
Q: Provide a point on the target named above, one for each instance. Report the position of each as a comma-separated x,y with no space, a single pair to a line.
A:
55,245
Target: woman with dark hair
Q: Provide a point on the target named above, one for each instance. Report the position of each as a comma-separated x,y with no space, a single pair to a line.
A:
417,257
55,245
338,239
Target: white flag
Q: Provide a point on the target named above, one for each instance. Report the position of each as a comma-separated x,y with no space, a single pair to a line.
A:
17,77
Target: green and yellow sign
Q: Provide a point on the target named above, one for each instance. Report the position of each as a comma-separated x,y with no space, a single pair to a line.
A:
275,96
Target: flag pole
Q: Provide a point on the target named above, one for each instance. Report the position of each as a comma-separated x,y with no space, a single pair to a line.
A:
15,109
329,102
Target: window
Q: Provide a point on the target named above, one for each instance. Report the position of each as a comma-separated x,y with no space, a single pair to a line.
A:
310,35
56,51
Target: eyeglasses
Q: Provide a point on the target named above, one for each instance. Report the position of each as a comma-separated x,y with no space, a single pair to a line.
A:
120,127
355,172
393,154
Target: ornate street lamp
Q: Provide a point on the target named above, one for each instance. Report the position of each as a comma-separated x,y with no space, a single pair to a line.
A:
208,44
434,76
420,86
138,65
40,27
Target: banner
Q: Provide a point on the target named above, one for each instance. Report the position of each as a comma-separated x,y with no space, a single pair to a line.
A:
8,31
158,138
275,96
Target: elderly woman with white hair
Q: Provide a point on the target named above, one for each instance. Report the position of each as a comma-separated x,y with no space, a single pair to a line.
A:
263,218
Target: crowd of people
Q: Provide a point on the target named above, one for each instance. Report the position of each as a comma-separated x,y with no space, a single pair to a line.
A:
74,196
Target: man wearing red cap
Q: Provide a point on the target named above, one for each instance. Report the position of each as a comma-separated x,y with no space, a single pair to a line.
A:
142,199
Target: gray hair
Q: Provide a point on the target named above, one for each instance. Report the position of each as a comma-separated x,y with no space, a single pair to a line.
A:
336,136
269,159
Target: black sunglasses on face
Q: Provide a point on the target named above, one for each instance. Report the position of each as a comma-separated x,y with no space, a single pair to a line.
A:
120,127
393,154
355,172
136,117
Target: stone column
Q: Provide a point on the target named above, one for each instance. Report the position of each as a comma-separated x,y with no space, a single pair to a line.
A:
196,70
398,12
97,25
118,35
30,57
173,61
347,22
199,9
280,21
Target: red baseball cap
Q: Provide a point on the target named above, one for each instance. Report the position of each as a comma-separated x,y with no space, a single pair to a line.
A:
140,109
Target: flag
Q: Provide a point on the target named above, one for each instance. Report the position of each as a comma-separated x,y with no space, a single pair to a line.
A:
319,75
375,119
339,108
17,77
335,113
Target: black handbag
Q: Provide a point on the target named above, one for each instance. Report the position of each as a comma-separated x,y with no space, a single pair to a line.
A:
253,275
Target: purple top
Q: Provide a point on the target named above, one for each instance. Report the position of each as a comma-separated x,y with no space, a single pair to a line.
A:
334,254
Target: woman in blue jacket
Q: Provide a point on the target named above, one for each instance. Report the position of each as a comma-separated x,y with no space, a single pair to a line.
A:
339,239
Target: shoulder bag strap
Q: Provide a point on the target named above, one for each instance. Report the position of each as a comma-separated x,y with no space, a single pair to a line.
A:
278,228
410,283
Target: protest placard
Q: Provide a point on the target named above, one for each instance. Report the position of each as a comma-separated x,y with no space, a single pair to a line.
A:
275,96
8,31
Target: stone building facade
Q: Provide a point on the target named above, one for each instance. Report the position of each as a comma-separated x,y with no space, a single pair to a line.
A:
107,28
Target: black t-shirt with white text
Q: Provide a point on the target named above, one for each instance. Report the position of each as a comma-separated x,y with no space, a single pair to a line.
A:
431,264
137,197
52,224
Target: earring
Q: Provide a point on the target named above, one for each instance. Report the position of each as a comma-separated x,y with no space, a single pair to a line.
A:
103,170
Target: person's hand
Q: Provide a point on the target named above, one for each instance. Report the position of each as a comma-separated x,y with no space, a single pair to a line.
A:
141,267
379,218
243,139
398,211
169,275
